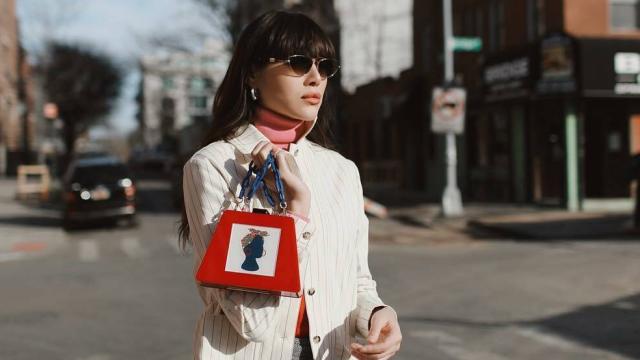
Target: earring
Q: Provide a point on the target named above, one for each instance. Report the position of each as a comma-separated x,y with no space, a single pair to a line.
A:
254,94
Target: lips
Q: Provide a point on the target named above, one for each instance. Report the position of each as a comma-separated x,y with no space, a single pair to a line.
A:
312,98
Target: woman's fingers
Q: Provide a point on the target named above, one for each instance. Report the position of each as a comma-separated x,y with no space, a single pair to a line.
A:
291,179
281,160
264,151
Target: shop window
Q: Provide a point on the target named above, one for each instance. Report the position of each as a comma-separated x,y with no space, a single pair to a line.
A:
625,14
535,19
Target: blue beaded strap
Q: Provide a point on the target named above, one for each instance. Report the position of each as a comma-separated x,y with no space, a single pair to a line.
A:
258,182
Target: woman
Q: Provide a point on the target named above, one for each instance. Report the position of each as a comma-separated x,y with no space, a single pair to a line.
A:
268,102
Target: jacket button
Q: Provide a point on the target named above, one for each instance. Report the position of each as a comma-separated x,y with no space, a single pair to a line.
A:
311,291
306,235
295,152
316,339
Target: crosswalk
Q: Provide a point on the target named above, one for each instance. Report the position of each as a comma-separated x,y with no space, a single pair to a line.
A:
90,250
531,340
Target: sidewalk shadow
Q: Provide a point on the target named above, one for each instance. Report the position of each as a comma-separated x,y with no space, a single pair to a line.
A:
613,326
603,227
31,220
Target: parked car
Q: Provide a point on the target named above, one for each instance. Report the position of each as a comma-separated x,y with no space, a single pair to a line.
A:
98,188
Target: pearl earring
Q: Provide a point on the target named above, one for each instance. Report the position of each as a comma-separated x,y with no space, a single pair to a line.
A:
254,94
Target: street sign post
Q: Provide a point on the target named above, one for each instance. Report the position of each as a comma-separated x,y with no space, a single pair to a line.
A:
451,198
469,44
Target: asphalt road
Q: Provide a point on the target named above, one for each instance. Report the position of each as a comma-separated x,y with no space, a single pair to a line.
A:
115,292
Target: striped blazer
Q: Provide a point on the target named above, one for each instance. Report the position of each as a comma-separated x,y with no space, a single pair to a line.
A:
339,291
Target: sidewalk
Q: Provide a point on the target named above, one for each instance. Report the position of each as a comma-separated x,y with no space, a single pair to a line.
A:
558,224
25,230
422,222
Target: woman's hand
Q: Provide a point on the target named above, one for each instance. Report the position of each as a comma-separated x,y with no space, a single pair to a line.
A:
384,337
297,193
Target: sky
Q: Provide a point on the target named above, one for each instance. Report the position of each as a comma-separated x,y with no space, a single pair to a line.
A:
119,28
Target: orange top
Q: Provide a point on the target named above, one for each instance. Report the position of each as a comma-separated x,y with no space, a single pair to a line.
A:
302,326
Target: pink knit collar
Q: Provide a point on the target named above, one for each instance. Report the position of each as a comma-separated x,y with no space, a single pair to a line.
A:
281,130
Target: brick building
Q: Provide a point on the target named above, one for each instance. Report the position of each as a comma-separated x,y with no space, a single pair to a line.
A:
552,111
16,95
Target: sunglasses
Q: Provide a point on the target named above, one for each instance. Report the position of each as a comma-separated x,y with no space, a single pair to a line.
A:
301,64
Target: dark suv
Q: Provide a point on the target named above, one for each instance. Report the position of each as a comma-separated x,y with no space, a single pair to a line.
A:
98,188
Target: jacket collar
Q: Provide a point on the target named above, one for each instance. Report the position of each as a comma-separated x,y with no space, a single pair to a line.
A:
248,136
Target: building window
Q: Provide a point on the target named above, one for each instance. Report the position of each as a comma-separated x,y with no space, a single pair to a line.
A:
480,22
167,105
496,25
198,102
625,14
167,82
200,84
469,27
201,121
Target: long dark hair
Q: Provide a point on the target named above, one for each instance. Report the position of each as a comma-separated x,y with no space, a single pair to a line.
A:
275,34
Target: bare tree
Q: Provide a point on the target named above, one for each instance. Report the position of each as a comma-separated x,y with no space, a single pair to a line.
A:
85,86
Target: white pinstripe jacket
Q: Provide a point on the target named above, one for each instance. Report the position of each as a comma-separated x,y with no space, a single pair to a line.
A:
339,291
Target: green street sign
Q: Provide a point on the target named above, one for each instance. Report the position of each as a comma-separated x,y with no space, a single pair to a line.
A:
470,44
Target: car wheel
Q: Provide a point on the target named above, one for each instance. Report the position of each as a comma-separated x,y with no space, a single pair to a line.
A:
68,224
132,221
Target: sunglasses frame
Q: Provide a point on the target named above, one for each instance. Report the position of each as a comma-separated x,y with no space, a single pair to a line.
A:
315,61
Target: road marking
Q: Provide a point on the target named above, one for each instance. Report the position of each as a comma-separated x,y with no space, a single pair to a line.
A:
458,352
11,256
450,345
29,246
97,357
88,250
437,336
555,341
132,247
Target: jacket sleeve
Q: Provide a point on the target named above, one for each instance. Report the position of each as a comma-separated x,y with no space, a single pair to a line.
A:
254,316
368,298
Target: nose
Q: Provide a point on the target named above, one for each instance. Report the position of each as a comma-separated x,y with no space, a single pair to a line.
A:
313,76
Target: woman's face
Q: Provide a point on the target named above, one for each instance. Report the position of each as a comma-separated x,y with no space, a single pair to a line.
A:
281,90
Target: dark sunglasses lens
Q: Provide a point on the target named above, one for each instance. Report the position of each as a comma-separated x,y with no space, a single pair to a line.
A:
300,64
327,68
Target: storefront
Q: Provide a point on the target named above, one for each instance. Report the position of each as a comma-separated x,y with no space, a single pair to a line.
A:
610,108
558,124
497,128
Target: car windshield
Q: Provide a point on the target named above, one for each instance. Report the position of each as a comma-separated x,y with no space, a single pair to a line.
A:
100,173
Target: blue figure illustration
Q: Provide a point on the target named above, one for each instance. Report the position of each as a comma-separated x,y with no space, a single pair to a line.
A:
253,247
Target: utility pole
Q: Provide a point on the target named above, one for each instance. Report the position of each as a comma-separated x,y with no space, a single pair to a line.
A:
451,198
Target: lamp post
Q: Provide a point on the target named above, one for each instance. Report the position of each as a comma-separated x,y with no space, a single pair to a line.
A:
451,198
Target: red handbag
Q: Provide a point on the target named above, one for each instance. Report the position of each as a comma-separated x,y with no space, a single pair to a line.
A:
254,250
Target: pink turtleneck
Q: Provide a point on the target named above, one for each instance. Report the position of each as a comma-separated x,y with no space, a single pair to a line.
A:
279,129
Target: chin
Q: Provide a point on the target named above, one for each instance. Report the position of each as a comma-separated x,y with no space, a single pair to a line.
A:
308,115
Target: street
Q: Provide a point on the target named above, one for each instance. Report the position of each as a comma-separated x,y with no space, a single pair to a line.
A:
127,292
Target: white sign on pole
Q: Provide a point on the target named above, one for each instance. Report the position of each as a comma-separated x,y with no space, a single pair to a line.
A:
447,110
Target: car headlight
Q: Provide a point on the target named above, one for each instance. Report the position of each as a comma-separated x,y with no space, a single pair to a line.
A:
85,195
126,182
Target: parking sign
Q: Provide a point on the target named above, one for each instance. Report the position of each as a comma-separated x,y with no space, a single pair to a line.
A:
447,110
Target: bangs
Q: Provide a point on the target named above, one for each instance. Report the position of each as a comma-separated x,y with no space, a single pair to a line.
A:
293,34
